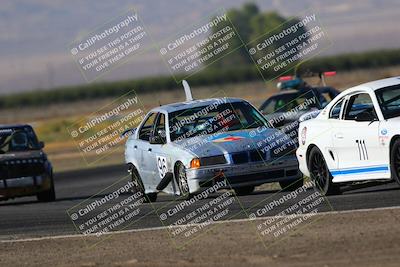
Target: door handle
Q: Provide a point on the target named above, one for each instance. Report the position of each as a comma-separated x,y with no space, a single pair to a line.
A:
149,149
339,135
135,146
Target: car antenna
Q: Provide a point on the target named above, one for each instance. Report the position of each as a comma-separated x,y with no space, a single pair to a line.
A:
188,91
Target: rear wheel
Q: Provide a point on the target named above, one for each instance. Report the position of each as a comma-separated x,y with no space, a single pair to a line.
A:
48,195
320,173
395,161
139,187
181,180
291,185
245,190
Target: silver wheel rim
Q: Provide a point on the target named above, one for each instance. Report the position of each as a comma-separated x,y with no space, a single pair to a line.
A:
183,181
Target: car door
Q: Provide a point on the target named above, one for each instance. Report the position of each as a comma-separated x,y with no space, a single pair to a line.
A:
335,115
355,141
144,148
157,155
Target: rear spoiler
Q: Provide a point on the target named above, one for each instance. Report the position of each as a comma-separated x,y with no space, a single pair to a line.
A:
188,91
288,81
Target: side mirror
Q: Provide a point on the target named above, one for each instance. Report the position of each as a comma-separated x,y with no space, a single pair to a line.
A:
158,138
365,116
41,144
128,132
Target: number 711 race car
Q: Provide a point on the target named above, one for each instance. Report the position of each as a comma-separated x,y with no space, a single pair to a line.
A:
183,147
355,138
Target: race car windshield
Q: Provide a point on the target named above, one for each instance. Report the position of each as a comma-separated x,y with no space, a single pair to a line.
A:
288,101
212,119
389,101
14,140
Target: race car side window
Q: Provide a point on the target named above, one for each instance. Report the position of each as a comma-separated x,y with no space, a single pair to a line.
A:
335,111
144,133
160,126
359,103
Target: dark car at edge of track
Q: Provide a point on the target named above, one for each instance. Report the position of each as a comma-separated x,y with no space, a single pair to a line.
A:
24,167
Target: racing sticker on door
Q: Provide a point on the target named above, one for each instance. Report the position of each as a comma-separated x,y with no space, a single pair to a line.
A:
362,150
162,166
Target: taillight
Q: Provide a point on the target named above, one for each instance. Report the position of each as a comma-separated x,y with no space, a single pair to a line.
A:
329,73
285,78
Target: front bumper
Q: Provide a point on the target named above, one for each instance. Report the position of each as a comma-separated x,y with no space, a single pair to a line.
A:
24,186
247,174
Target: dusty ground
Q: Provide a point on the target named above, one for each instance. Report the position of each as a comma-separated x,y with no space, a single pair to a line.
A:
352,239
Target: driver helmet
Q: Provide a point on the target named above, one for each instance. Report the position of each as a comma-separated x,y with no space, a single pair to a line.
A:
19,141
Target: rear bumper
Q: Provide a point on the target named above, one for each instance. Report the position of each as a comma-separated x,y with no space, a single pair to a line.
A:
247,174
24,186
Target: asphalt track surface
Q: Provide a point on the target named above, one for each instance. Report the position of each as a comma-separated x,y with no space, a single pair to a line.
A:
25,217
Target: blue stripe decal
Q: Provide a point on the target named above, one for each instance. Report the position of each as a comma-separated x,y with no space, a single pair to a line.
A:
361,170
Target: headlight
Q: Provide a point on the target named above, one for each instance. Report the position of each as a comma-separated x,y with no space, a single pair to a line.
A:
309,115
303,136
195,163
207,161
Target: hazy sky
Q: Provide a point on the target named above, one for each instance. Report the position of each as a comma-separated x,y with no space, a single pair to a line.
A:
35,34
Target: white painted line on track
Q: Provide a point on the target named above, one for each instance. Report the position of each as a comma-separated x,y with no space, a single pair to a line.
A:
186,225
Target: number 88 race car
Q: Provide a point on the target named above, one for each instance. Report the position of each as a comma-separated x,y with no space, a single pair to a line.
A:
355,138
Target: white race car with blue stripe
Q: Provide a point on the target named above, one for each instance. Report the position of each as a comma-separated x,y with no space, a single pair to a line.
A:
355,138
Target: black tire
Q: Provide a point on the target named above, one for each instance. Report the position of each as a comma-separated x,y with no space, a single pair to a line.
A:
181,180
245,190
291,185
150,197
395,161
49,195
320,174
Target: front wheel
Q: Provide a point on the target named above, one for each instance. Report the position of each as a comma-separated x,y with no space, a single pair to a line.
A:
245,190
320,173
395,161
48,195
291,185
181,180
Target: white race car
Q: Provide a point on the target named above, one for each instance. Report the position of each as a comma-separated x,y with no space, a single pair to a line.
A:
355,138
182,148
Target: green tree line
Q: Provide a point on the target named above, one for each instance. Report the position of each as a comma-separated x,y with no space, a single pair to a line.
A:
209,76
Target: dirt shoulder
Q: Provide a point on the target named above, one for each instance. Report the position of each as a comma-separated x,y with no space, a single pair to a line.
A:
370,238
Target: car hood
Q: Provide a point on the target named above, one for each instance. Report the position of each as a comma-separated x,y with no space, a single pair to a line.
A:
285,116
278,118
21,155
228,142
395,119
